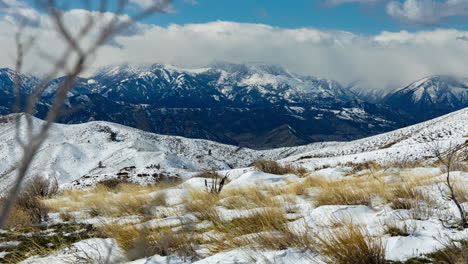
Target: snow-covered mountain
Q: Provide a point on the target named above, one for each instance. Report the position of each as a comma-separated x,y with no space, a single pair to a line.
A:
7,85
73,152
257,106
431,96
221,84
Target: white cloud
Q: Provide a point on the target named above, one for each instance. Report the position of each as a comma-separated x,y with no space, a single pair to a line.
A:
427,12
416,12
386,59
164,5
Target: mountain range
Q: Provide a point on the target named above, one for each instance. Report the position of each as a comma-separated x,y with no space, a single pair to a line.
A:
257,106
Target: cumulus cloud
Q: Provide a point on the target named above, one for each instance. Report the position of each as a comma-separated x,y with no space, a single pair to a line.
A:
19,13
165,5
427,12
387,59
416,12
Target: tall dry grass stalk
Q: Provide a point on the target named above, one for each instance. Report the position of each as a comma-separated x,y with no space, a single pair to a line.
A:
350,244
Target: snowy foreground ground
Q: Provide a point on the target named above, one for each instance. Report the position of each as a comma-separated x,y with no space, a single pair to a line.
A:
388,191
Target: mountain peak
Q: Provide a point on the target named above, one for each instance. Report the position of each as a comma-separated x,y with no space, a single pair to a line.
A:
431,94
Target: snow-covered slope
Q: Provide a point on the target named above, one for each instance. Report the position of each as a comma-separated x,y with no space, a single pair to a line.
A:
431,96
412,143
74,151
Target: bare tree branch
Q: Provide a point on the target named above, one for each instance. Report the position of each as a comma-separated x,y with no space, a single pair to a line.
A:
75,56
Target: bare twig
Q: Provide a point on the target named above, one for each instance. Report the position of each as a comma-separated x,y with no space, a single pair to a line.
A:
76,55
447,159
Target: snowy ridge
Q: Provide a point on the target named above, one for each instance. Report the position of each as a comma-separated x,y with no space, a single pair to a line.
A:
411,143
73,152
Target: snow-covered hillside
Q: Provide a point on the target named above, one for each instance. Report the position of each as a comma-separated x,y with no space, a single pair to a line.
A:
74,152
405,208
412,143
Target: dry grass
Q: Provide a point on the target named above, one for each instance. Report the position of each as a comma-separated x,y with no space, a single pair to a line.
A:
461,191
202,205
28,208
265,229
454,252
409,195
395,228
139,243
264,224
123,200
346,192
247,198
404,192
296,188
114,183
273,167
18,217
406,196
350,244
371,165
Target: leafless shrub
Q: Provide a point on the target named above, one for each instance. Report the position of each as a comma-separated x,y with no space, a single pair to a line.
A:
448,159
216,184
29,198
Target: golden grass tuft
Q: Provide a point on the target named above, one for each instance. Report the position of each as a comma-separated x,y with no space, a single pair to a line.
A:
273,167
139,243
202,204
461,191
353,191
247,198
18,217
455,252
266,228
123,200
350,244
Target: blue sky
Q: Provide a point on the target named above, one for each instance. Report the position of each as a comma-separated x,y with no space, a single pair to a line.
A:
353,15
303,13
379,43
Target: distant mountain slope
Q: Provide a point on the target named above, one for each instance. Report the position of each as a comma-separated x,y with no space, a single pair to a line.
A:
408,144
431,96
219,85
256,106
